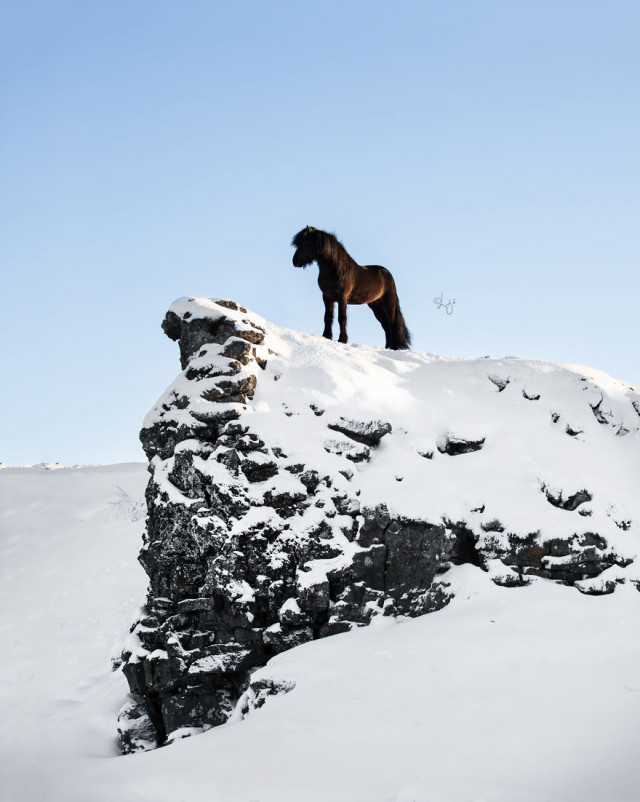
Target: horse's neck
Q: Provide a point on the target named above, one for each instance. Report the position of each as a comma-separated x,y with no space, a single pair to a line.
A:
341,265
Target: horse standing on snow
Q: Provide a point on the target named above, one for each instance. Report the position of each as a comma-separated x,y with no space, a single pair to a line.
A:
343,281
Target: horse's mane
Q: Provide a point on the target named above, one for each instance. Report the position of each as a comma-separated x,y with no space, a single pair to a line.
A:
328,246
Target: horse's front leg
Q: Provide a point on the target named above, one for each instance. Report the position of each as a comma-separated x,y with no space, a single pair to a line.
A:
328,318
342,320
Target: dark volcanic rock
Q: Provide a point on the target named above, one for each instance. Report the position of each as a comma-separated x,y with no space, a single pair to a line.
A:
499,382
250,552
194,332
571,502
415,552
352,451
369,433
241,564
566,560
453,445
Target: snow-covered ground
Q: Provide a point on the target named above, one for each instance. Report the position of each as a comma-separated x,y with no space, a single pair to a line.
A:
510,695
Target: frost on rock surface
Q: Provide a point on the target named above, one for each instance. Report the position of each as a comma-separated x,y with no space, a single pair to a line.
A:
300,487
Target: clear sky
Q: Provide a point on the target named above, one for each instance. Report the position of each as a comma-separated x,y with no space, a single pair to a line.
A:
487,150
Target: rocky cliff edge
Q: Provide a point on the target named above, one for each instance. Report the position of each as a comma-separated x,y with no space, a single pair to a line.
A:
299,487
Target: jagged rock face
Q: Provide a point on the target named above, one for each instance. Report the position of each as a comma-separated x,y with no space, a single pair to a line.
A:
276,516
242,567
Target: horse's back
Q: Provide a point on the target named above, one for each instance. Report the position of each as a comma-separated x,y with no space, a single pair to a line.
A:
384,274
379,268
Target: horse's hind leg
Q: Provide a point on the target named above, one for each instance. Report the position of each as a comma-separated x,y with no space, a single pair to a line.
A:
328,318
379,311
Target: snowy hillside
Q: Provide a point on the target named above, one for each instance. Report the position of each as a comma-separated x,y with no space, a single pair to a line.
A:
516,693
70,583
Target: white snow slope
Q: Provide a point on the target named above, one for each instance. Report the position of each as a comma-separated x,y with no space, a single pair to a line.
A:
505,695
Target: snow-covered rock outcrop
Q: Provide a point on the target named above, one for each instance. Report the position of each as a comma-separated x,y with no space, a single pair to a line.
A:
300,487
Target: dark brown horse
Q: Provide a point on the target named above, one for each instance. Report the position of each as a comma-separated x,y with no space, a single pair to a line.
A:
343,281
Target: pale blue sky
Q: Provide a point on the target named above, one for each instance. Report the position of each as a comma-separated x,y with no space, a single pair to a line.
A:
148,150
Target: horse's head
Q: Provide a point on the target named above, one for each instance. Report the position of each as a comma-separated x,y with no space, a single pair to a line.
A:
306,243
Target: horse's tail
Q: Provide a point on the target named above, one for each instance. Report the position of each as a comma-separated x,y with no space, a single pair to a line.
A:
400,334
